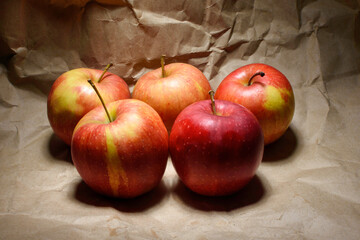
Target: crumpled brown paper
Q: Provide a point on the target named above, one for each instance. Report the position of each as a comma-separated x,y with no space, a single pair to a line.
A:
307,186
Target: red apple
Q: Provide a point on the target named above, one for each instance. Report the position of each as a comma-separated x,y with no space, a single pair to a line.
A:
216,154
71,97
160,89
123,158
266,92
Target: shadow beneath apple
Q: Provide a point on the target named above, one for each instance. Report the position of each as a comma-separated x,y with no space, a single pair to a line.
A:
281,149
59,150
252,193
83,193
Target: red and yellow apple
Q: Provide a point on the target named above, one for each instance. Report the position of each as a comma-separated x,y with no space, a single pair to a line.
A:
71,97
217,149
171,88
123,158
266,92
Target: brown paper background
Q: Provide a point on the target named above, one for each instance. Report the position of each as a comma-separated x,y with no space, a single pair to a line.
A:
307,186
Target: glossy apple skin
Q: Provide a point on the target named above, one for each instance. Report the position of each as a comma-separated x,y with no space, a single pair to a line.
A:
270,98
71,97
216,155
183,85
124,158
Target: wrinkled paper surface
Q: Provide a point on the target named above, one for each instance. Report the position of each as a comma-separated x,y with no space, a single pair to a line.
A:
308,185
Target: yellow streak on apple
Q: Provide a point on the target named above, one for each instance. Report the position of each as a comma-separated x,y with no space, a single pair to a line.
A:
114,166
199,88
68,101
274,100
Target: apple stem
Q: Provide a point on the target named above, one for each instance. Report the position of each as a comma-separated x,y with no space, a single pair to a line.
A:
105,70
211,92
162,60
101,99
256,74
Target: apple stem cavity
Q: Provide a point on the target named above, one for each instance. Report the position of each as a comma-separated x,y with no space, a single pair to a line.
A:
162,60
105,70
211,92
256,74
101,99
